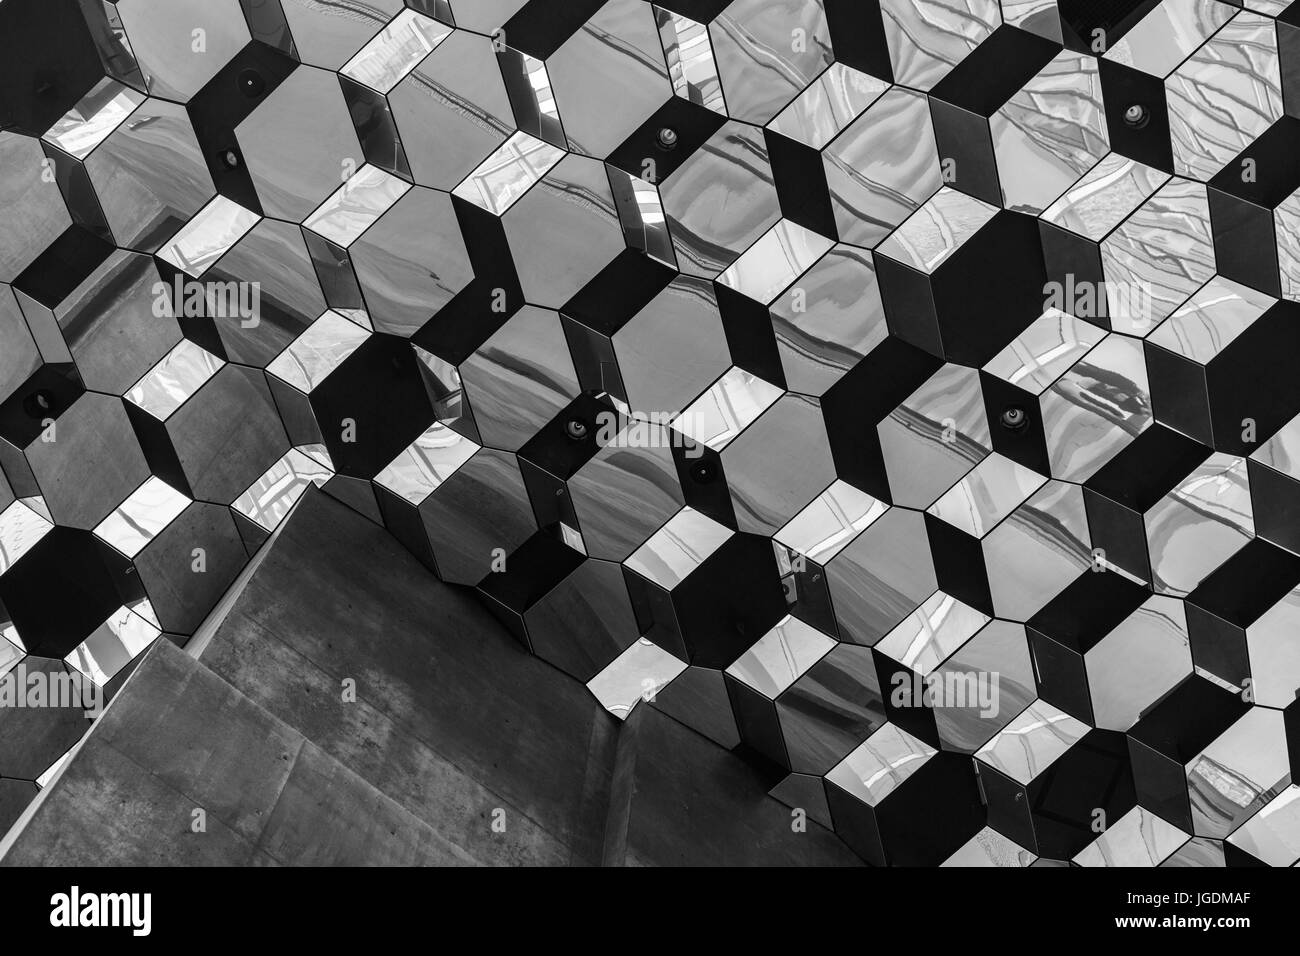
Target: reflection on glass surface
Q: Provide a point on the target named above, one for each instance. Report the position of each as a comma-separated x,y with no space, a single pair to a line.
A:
927,38
933,438
723,412
90,122
1104,195
881,764
834,100
1272,836
511,170
641,213
691,65
1037,550
1137,663
932,633
1029,744
1240,772
784,253
176,377
937,230
640,672
1139,838
781,656
1282,451
1050,132
1041,353
830,521
208,236
426,463
1145,281
316,353
271,497
1275,652
1238,65
113,645
992,490
1096,408
1211,319
21,527
10,653
354,206
142,516
882,167
1164,37
990,848
396,50
1198,525
678,548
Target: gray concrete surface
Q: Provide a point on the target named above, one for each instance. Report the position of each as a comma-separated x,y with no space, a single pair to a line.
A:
457,746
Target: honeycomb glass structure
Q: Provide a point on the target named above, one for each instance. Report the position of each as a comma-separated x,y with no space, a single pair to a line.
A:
900,394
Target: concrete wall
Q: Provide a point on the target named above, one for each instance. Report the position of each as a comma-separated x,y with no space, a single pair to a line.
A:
452,728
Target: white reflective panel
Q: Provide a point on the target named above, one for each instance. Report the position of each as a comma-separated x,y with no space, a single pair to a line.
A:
937,230
208,236
144,608
932,633
1282,451
781,656
678,548
1139,838
512,169
988,493
572,537
781,255
1104,196
271,497
1245,768
1272,835
396,50
1168,35
731,404
322,348
21,528
10,653
426,463
318,453
113,645
356,205
880,764
688,52
640,672
1029,744
94,118
833,101
142,516
1209,321
990,848
10,634
1045,351
177,376
830,521
540,82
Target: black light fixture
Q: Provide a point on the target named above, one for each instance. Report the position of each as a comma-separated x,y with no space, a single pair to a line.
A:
703,472
1136,115
251,83
40,404
1013,418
